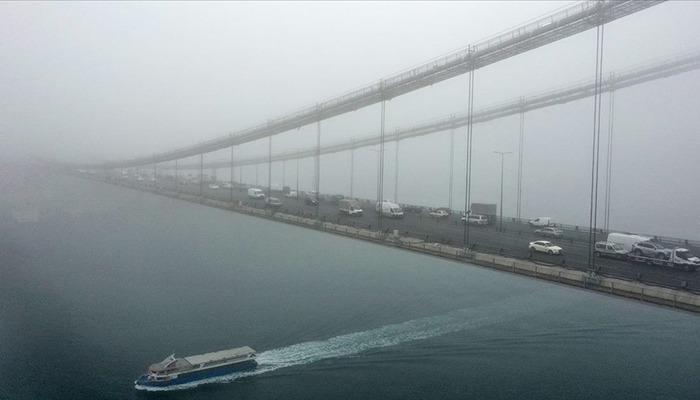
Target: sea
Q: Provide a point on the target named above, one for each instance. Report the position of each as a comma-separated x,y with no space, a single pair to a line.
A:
99,281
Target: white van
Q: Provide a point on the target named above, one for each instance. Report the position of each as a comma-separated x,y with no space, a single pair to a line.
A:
540,221
389,209
476,219
255,193
626,241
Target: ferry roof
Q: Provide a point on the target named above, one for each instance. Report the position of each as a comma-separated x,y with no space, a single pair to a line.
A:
219,355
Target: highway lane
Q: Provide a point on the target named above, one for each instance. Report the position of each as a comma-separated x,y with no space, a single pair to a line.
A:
512,242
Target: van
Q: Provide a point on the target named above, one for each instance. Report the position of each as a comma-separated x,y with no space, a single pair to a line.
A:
609,249
255,193
626,241
540,221
350,207
389,209
476,219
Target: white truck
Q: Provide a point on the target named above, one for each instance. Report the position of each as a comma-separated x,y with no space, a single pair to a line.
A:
679,258
349,207
673,258
389,209
625,240
255,193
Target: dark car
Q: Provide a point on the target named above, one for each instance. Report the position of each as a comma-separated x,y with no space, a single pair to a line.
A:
311,201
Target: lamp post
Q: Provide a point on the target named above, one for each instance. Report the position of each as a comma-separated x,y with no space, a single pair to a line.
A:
500,206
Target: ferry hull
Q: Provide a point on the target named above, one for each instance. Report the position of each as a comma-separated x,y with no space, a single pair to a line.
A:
197,375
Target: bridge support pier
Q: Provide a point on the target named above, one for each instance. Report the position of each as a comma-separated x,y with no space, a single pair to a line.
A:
396,170
468,171
595,156
231,176
380,168
452,167
608,164
297,177
521,142
352,170
269,167
317,168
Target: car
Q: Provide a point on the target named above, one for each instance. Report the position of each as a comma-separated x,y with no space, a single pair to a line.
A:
291,194
540,221
213,186
310,201
609,249
649,249
544,246
476,219
439,213
550,232
273,202
227,185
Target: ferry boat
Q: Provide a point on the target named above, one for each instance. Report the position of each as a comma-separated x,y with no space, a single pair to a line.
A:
176,371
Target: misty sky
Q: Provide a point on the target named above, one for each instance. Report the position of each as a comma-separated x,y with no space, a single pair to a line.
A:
103,81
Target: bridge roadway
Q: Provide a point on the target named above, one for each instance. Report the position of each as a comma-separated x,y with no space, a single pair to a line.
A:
513,241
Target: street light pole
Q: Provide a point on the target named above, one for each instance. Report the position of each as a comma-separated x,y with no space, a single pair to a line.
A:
500,218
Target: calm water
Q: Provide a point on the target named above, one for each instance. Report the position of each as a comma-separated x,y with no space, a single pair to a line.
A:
97,282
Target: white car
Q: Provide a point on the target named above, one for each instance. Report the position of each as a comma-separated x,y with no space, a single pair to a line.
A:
213,186
292,193
439,214
227,185
544,246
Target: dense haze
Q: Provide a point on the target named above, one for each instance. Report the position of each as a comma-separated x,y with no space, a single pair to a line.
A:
89,82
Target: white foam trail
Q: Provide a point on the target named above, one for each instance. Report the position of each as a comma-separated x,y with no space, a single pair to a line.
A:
389,335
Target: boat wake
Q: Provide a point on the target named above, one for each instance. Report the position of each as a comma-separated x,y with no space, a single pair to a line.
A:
389,335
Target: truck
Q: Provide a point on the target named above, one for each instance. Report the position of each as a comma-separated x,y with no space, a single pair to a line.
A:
389,209
486,209
255,193
679,258
673,258
626,240
349,207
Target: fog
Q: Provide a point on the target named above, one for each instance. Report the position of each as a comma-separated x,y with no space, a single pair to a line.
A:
93,82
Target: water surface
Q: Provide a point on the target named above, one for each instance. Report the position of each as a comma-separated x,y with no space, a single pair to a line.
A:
97,282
